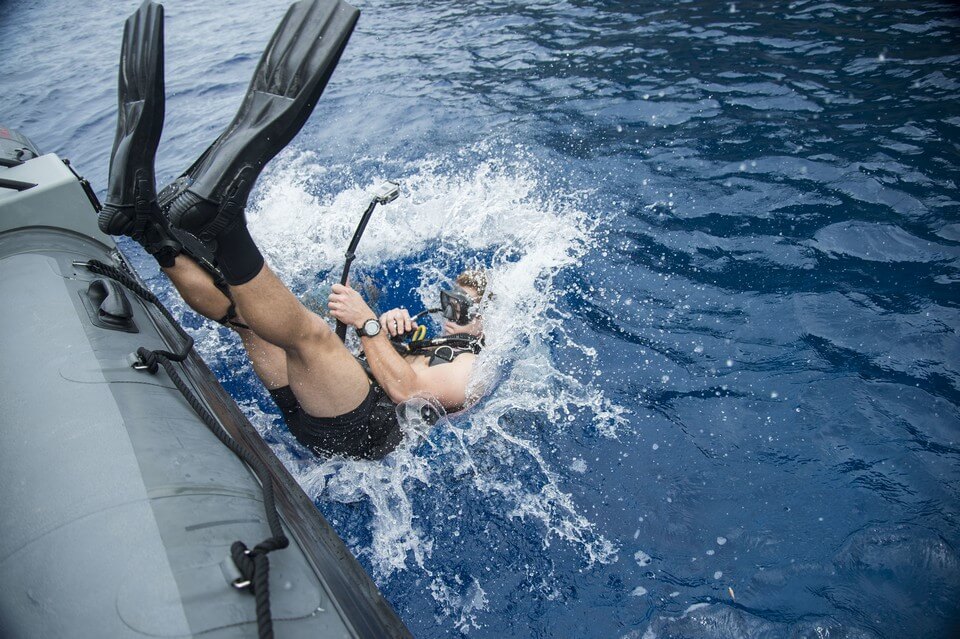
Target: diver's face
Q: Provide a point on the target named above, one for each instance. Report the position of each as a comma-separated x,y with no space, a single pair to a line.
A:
475,327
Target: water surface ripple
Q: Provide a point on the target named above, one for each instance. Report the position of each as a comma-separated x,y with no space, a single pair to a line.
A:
726,237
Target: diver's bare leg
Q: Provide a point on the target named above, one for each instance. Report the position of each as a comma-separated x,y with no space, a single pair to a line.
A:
197,289
269,362
323,374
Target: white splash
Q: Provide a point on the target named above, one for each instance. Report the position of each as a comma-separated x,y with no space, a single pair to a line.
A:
492,209
463,607
642,558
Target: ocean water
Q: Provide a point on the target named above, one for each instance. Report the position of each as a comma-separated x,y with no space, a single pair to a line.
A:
722,385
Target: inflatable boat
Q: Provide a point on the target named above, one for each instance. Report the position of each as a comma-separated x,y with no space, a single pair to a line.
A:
135,498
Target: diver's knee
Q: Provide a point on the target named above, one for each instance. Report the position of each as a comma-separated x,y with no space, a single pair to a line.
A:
316,333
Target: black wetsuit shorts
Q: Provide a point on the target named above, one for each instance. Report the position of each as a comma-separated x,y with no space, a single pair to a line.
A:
369,431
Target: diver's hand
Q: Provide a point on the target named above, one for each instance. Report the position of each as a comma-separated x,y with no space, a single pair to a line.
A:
397,322
449,328
347,306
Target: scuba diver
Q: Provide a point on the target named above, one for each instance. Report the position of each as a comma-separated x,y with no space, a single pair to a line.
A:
333,402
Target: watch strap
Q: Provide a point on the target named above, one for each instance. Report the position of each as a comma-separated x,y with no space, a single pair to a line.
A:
362,331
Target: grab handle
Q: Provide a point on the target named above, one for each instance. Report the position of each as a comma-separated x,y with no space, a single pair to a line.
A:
111,303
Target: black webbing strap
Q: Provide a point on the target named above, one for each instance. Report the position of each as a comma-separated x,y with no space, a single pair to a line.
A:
230,316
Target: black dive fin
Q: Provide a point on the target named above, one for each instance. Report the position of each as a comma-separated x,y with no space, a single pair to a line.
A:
287,83
131,188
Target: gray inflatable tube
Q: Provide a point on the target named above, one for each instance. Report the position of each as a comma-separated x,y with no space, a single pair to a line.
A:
118,506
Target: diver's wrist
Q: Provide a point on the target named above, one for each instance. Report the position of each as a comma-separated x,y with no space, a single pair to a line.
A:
369,327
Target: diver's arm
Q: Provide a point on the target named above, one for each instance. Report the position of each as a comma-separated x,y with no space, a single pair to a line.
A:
447,383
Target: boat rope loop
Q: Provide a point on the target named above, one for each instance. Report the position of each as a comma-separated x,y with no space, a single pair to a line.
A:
252,564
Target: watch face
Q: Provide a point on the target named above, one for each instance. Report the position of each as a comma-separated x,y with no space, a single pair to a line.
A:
371,328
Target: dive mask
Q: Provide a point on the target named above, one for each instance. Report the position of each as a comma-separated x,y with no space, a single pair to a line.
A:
457,306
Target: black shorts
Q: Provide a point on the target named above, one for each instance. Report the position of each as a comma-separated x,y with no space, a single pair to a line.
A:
369,431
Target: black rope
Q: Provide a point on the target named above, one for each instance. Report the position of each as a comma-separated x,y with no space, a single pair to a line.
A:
253,565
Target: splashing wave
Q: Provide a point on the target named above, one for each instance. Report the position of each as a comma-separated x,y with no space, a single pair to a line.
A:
495,212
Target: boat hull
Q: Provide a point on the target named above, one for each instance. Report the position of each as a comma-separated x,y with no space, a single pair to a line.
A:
120,506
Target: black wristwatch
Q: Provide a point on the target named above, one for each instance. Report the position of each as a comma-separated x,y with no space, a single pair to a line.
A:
370,328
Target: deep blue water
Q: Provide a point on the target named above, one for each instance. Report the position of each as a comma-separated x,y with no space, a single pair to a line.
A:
724,384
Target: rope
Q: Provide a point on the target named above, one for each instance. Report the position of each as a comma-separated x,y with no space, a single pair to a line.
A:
254,566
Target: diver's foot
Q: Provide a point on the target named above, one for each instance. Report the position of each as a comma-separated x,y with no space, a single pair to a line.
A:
131,187
116,219
209,200
221,228
154,234
205,219
159,240
187,210
132,211
142,221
